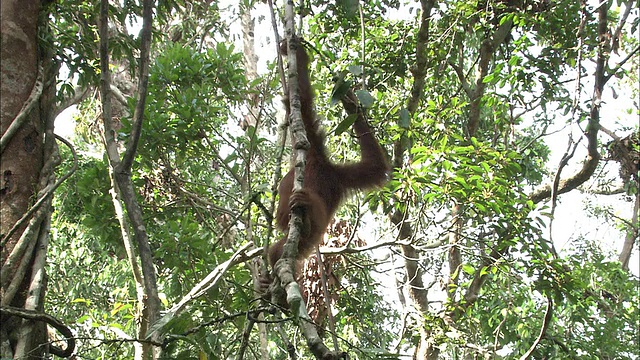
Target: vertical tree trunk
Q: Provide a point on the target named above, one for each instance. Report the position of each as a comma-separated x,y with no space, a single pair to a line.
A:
251,118
23,233
251,65
121,168
417,292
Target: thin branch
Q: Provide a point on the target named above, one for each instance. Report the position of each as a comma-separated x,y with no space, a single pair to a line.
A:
548,314
631,237
610,133
419,72
556,182
623,20
221,161
356,250
20,258
209,204
79,94
241,255
122,169
471,295
562,345
461,76
591,133
621,63
616,191
118,95
405,231
487,50
143,81
105,86
276,35
417,293
580,36
362,44
246,335
37,279
327,300
282,140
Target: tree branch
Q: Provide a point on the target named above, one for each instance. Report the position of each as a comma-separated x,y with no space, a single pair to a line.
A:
79,94
55,323
631,237
417,292
143,81
621,63
122,170
548,314
616,34
593,156
487,49
209,281
285,266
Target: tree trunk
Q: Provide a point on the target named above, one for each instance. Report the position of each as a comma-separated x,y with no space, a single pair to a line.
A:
25,147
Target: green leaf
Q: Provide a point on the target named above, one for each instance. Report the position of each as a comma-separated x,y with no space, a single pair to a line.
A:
365,98
468,269
340,89
404,118
345,124
355,69
117,307
489,78
474,141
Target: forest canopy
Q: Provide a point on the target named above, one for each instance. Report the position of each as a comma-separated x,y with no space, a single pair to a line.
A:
143,143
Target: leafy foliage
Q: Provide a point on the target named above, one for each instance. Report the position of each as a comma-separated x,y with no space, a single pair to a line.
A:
206,183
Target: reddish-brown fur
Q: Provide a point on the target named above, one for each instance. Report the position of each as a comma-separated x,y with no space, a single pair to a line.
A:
325,183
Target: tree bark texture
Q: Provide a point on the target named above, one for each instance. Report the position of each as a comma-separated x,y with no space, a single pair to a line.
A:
21,164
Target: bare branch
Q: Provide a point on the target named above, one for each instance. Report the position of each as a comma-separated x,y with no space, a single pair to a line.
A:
143,81
213,278
591,133
462,77
548,314
621,63
417,292
122,170
631,237
79,94
487,49
623,20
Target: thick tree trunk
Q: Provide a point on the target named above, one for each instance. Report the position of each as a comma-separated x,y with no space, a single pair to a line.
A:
23,236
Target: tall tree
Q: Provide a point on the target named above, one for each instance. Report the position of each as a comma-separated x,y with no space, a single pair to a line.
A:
28,160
